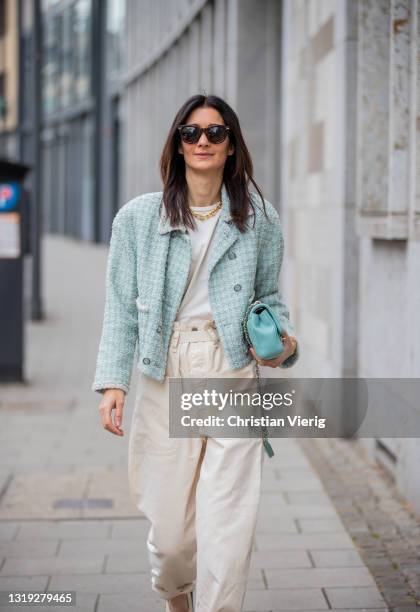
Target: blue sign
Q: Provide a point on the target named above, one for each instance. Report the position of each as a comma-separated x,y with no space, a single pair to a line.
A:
9,196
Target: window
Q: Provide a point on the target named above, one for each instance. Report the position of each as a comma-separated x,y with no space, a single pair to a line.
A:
115,35
385,119
3,108
2,17
67,53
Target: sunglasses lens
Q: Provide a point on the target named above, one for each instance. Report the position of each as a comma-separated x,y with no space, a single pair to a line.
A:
189,134
217,133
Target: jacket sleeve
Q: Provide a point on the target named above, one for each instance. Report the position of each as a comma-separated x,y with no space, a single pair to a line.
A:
270,258
120,325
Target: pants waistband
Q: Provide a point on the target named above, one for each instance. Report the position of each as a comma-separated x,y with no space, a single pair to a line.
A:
195,332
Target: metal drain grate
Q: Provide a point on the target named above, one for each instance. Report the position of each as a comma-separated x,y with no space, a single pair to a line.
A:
84,503
44,405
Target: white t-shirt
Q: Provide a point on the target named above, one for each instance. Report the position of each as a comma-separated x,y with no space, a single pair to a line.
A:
195,306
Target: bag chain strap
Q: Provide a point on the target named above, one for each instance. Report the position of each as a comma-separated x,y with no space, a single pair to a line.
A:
264,430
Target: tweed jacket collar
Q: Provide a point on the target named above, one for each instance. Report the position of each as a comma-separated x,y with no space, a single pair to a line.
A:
225,215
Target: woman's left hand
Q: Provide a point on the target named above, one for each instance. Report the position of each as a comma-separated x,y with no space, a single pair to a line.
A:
289,343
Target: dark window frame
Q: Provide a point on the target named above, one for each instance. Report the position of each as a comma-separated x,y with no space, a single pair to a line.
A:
2,17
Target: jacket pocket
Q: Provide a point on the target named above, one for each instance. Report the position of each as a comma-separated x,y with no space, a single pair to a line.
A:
141,306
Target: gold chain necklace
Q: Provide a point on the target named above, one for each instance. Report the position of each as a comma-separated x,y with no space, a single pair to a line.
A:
211,213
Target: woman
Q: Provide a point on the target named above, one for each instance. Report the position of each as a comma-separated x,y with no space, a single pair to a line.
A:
183,266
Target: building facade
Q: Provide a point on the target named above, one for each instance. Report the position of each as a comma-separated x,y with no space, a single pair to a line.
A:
81,60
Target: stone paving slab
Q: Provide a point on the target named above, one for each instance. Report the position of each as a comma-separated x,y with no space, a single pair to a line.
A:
256,579
127,564
319,498
285,599
299,541
130,529
101,583
8,531
356,596
298,511
296,484
124,602
323,525
319,577
68,530
273,500
336,558
30,548
271,524
52,566
23,583
272,559
118,546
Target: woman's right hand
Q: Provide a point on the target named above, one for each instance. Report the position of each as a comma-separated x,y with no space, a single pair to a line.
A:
113,400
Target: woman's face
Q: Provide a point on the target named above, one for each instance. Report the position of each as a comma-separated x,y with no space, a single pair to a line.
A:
216,153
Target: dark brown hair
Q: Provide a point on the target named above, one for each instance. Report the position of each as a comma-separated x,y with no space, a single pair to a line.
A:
237,172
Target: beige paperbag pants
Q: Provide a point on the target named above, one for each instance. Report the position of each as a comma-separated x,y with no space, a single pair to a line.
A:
201,494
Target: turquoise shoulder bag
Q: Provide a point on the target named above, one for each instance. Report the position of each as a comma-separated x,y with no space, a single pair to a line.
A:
262,331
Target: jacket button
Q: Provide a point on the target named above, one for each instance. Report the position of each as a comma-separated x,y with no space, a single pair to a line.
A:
238,287
231,255
159,329
146,360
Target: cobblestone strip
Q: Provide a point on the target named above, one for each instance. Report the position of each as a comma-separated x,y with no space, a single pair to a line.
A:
378,518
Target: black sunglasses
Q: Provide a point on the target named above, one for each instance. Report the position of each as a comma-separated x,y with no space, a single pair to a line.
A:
192,133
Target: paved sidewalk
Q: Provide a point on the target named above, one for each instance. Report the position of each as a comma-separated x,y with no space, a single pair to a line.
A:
66,520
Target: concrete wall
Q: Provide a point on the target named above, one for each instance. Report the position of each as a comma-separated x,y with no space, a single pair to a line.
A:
388,203
318,168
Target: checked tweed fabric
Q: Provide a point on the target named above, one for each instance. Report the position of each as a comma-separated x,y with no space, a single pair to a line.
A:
147,273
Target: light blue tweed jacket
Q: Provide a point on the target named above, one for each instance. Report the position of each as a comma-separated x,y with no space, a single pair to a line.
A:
147,273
